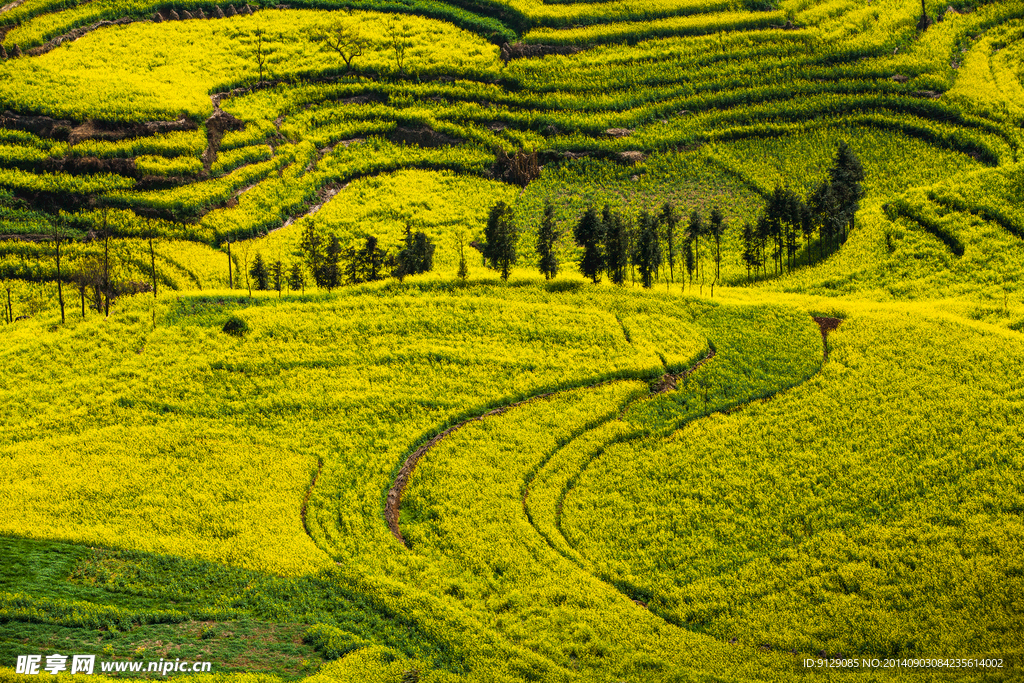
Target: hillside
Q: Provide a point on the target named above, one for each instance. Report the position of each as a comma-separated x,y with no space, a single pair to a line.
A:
269,402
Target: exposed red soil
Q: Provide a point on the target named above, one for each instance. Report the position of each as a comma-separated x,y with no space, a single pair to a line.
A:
325,195
523,51
669,381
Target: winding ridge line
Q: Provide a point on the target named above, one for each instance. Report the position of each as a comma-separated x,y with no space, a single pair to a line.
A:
825,325
309,492
392,507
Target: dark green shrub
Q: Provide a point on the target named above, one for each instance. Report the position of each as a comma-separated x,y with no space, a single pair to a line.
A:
236,326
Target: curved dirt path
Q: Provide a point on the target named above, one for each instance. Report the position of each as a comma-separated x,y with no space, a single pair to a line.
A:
393,504
8,7
392,507
667,382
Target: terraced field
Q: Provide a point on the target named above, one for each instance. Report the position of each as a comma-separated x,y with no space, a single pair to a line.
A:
799,442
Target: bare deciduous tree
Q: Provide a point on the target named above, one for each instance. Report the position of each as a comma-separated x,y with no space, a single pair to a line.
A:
341,37
398,40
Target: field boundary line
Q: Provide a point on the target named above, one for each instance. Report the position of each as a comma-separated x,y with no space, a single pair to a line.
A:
393,502
825,325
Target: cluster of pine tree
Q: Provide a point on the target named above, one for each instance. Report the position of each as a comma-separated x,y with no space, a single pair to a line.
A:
618,246
333,265
650,244
828,212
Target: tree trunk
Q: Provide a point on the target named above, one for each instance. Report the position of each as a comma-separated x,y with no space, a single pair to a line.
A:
60,288
718,258
106,272
231,284
152,263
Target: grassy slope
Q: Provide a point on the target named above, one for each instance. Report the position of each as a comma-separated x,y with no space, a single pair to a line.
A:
823,565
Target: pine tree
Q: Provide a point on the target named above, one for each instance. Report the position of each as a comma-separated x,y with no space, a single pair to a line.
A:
277,275
690,261
311,246
259,273
617,247
716,227
648,249
501,239
793,226
827,207
846,176
404,262
296,278
332,263
463,266
749,255
423,253
807,227
589,234
669,219
350,270
371,259
695,229
547,235
775,210
762,234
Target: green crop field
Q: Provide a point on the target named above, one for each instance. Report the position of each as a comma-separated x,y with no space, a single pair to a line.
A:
472,341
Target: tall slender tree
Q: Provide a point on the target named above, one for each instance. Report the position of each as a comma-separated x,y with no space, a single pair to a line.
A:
763,235
463,272
695,230
589,234
807,228
312,247
501,238
106,265
150,232
245,266
616,247
648,248
371,259
827,206
260,274
331,268
669,219
846,175
547,236
277,275
296,278
690,260
58,237
749,254
231,281
423,252
716,228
